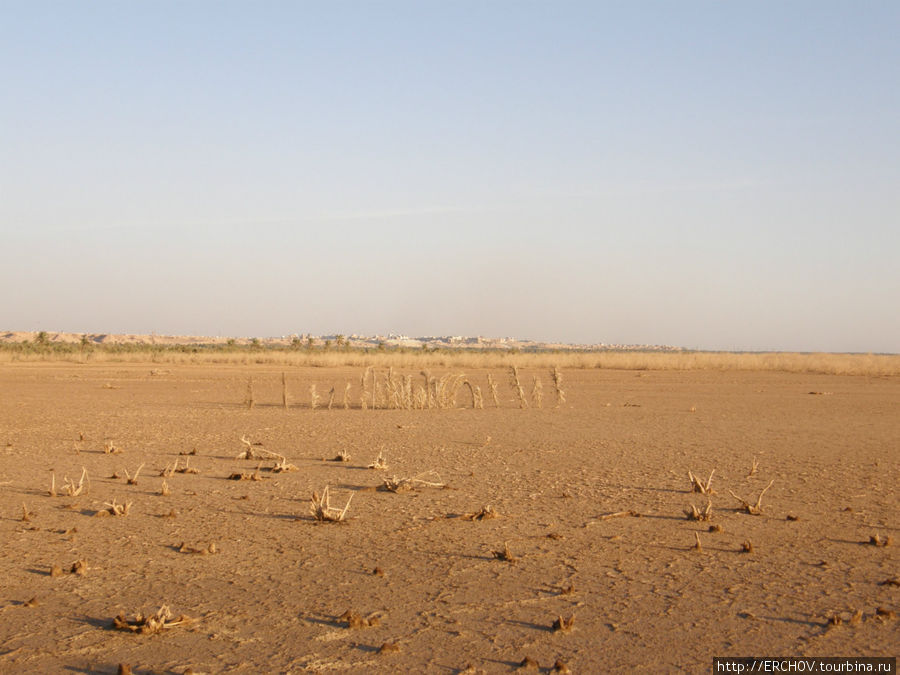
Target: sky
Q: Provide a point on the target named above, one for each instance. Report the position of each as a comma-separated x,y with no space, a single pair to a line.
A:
706,174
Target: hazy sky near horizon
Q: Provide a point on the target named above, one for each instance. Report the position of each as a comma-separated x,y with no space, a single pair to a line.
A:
716,175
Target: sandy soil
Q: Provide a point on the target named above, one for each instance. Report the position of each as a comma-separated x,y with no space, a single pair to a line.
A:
270,598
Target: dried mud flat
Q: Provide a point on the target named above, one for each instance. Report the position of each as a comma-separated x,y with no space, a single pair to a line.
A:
586,560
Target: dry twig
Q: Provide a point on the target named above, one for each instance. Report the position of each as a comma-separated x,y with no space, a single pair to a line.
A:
395,484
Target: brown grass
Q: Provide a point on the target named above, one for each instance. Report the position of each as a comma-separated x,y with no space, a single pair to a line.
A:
792,362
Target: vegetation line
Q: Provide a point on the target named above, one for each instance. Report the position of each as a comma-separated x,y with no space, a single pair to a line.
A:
836,364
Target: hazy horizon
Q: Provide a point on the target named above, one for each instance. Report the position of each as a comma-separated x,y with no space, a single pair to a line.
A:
708,175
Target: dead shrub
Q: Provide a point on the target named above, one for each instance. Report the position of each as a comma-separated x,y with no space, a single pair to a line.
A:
564,625
753,509
322,510
486,513
697,485
157,622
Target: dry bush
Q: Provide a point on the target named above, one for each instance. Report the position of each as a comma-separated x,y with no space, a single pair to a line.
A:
342,456
420,398
486,513
698,546
698,485
187,468
475,391
110,448
207,550
379,463
697,514
330,398
356,620
157,622
246,475
753,467
388,647
557,385
517,385
747,547
505,554
113,508
537,392
248,398
71,488
26,514
79,567
492,385
322,510
753,509
256,451
564,625
132,480
164,489
878,540
313,396
347,396
364,387
284,396
282,466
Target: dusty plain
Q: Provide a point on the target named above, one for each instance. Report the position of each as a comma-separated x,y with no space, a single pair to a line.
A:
271,597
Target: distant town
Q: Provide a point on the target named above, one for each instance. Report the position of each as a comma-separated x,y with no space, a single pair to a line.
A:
301,340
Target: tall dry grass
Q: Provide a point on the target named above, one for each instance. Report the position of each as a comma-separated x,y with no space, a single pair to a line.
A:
837,364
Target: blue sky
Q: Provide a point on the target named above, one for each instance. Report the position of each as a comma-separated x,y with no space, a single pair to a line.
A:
721,175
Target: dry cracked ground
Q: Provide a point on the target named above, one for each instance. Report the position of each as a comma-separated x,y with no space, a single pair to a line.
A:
589,500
